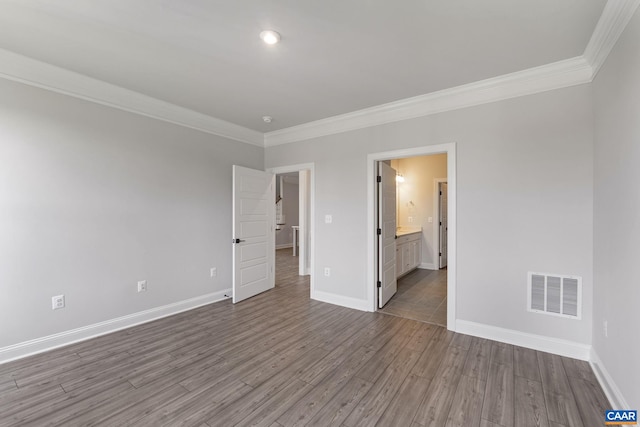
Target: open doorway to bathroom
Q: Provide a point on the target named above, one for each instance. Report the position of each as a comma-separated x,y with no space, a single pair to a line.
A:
420,228
421,231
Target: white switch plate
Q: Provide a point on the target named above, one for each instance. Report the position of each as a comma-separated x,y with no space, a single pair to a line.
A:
214,272
430,219
410,219
328,219
57,302
142,286
327,271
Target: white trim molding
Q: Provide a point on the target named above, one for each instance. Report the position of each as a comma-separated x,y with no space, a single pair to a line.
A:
39,345
607,383
45,76
547,344
305,253
355,303
569,72
614,19
427,266
372,159
557,75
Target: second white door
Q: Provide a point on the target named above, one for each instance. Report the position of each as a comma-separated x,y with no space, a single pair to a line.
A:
387,274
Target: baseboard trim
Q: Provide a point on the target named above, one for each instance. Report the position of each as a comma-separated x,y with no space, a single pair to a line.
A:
607,383
39,345
427,266
523,339
357,304
284,246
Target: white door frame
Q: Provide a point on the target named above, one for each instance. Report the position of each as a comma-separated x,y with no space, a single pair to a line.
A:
312,202
436,225
450,150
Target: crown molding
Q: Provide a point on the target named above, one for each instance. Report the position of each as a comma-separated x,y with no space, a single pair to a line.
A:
615,17
552,76
39,74
570,72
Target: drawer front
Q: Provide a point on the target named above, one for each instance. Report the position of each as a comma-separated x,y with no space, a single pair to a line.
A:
408,238
402,240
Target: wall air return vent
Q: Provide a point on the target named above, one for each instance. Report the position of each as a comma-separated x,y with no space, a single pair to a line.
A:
555,294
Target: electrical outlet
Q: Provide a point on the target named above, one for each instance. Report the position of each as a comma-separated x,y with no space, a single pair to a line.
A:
142,286
328,219
57,302
214,272
327,271
605,326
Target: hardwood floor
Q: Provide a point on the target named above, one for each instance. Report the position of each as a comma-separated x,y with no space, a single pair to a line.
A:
422,295
281,359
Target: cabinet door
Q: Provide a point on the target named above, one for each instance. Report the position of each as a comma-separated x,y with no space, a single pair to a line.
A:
399,264
415,249
407,259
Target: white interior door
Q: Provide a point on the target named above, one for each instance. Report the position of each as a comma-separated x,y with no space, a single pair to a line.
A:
443,224
387,282
253,232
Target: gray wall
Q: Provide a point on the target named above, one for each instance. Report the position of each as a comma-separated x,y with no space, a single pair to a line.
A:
94,199
617,212
525,199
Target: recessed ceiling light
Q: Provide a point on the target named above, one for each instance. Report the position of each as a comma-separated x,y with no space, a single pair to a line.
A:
267,119
270,37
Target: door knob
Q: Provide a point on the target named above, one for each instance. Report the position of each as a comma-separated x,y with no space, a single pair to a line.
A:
237,241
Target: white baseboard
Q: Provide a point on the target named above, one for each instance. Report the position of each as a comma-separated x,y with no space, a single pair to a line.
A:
607,383
523,339
427,266
357,304
284,246
39,345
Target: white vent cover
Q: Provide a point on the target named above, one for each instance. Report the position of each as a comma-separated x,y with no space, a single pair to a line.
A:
555,294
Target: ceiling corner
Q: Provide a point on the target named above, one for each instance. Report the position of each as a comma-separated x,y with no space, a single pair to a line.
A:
615,17
39,74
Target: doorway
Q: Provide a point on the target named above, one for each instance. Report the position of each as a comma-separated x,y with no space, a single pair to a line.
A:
295,270
429,276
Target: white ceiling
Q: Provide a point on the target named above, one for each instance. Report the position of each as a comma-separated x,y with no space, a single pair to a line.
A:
335,56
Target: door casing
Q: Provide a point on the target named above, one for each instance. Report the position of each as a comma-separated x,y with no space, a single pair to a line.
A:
372,159
311,226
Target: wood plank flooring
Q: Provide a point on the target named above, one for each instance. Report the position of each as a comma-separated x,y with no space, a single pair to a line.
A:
422,295
281,359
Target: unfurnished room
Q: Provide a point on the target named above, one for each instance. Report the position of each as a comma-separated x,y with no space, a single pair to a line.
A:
294,213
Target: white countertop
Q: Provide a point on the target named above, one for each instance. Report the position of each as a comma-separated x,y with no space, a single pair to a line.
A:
403,231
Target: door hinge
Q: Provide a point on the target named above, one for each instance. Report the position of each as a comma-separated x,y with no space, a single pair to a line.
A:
440,253
379,284
440,223
379,179
379,231
441,193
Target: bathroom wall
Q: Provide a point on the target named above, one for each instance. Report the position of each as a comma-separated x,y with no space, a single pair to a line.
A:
416,199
